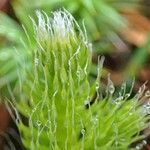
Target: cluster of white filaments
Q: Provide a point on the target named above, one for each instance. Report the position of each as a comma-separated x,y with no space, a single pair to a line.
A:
62,24
60,27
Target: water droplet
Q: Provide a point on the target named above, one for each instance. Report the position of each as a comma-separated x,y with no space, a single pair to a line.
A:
146,108
38,123
130,114
111,89
97,86
17,120
123,85
49,122
138,147
110,86
86,102
95,120
34,109
140,92
118,100
144,142
36,61
83,131
141,124
127,95
78,73
147,93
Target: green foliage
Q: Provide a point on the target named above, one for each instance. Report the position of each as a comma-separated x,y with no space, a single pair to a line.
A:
138,60
8,30
57,95
12,52
49,71
101,17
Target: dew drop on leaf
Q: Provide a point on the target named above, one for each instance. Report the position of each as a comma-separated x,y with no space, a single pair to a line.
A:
95,120
36,61
38,123
130,114
97,86
144,142
138,147
118,100
147,93
78,73
17,120
34,109
111,89
142,124
49,122
110,86
83,131
127,95
146,108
